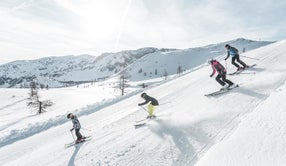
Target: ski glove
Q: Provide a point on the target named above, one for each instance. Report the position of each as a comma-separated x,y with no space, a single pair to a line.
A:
71,129
211,75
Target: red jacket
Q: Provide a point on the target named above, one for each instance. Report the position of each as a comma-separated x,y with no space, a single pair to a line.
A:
217,67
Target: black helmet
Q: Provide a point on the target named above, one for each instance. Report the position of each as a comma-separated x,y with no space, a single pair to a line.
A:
143,94
69,115
227,45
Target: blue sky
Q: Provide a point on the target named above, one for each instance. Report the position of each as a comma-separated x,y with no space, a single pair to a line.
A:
36,28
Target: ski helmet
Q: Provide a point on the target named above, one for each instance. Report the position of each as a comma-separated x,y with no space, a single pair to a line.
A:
143,94
210,60
227,45
69,115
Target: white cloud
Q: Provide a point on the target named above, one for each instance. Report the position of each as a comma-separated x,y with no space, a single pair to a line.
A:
36,28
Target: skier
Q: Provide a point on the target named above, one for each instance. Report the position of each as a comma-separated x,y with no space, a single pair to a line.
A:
233,52
76,127
221,77
152,103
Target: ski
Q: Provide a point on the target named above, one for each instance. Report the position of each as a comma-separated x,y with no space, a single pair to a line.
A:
141,123
87,138
247,73
220,91
241,71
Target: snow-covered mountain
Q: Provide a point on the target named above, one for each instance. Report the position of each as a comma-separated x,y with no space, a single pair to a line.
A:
158,64
245,126
59,71
140,64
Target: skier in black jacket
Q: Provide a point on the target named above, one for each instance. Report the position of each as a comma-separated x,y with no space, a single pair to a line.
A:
76,127
152,103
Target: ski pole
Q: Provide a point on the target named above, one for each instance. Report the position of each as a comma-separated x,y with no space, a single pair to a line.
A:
72,135
85,129
248,73
144,109
165,103
250,57
225,64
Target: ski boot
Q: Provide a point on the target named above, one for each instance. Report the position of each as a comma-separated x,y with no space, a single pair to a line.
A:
244,67
231,86
151,117
240,68
79,140
224,87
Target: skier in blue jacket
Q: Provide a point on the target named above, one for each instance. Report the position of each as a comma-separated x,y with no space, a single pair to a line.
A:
233,52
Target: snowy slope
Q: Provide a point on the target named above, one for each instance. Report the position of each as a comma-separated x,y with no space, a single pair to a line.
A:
20,121
259,138
70,70
188,123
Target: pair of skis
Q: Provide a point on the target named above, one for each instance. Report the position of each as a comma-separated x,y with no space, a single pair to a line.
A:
220,91
141,123
228,89
241,71
87,138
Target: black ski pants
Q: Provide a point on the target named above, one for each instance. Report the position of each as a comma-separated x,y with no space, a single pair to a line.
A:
78,135
221,79
236,57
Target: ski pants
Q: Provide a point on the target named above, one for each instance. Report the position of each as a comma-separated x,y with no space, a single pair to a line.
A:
78,135
151,109
221,79
236,57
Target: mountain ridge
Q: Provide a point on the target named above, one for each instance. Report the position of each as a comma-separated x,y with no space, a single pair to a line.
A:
68,70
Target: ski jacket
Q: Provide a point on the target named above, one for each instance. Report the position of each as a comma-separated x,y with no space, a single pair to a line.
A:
231,51
216,66
75,121
149,99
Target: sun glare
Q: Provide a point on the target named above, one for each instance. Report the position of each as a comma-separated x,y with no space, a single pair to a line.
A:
99,19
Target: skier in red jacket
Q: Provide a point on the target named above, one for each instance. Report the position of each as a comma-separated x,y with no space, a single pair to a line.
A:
221,76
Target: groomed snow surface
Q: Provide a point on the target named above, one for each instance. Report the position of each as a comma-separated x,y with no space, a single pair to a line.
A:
243,127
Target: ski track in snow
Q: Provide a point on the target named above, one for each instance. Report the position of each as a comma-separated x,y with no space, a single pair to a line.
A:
258,140
12,104
32,129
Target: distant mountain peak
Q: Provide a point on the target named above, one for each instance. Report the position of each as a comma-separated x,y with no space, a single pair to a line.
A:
143,63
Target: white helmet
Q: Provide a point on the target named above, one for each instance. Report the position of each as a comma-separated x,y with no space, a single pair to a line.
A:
209,61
